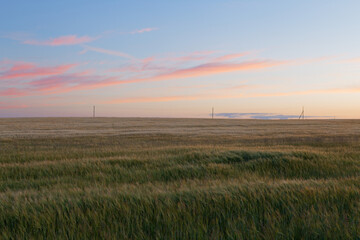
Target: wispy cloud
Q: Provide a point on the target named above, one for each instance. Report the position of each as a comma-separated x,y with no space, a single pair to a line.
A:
209,69
57,80
202,70
216,68
163,64
30,70
51,80
62,40
231,56
105,51
164,71
189,57
57,84
31,79
13,92
143,30
66,40
12,106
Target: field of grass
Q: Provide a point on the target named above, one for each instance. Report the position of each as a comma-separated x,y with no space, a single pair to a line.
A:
118,178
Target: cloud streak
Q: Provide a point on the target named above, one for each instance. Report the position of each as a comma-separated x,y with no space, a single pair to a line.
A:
163,64
30,70
56,81
61,41
231,56
11,106
208,69
216,68
143,30
105,51
14,92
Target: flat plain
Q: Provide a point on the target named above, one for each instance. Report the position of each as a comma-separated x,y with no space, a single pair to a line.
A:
149,178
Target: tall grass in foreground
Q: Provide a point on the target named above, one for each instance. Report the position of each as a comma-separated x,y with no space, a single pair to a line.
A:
181,185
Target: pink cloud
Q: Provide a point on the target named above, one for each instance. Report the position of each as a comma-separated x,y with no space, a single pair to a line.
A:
142,66
210,69
194,56
51,80
58,84
13,92
143,30
31,71
171,63
199,71
22,66
231,56
11,106
105,51
63,40
163,64
72,82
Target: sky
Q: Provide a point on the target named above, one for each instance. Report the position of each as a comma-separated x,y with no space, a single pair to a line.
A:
247,59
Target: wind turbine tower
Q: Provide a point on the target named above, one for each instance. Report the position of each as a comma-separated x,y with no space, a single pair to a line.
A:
302,115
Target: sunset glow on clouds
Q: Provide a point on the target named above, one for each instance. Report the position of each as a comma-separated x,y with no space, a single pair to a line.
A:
52,80
105,51
30,70
143,30
60,41
179,68
4,106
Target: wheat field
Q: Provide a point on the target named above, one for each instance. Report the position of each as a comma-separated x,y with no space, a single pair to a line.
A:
148,178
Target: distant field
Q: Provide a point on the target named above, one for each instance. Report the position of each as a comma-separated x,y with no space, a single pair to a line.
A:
119,178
